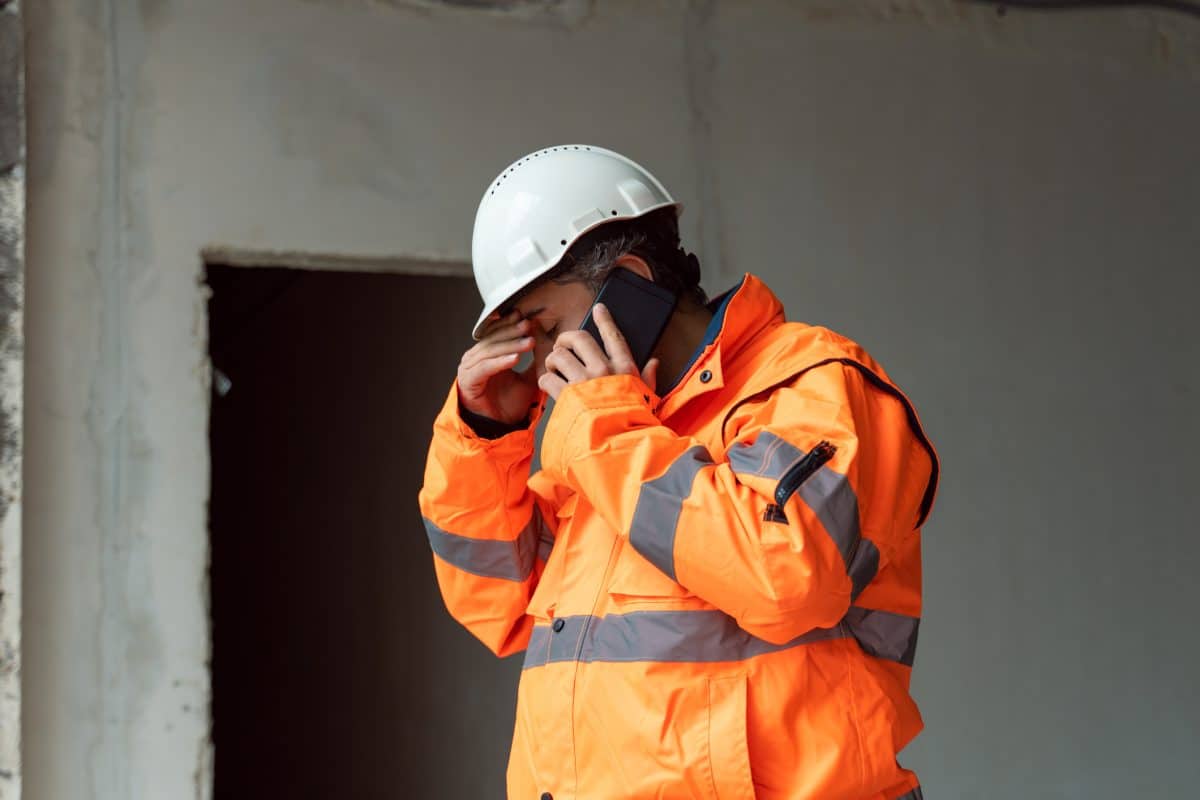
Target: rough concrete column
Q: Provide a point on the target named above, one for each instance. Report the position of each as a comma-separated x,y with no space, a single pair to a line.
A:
114,685
12,228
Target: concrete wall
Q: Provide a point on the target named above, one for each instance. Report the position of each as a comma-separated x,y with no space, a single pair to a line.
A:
12,301
1000,207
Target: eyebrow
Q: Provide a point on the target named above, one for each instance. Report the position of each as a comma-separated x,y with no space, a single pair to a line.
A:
533,313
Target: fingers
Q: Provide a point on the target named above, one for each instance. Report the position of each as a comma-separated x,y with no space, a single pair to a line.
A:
474,377
586,350
578,357
650,374
486,350
500,350
614,341
503,340
551,384
486,368
511,326
494,324
565,362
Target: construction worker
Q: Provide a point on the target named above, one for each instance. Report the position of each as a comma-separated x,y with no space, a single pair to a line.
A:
715,575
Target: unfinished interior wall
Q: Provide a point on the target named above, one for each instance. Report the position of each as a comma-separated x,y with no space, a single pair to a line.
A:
999,207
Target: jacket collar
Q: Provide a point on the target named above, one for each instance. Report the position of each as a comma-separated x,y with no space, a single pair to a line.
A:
740,315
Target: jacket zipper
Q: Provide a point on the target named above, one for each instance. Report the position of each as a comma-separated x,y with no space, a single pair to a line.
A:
802,470
883,386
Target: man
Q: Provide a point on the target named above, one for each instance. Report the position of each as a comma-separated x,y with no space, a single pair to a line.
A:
715,575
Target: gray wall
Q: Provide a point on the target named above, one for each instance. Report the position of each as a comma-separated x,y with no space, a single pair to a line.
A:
12,299
1001,209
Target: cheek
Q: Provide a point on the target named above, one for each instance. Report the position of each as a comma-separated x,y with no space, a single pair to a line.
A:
572,321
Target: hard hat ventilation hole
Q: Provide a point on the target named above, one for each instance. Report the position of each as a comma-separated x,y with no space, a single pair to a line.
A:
564,241
614,212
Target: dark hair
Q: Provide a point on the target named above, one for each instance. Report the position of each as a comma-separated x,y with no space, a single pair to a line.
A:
653,237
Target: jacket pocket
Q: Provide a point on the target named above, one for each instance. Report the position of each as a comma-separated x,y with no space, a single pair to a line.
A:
728,753
637,582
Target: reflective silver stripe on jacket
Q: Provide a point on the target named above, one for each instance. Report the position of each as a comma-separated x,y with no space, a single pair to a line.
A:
511,560
655,636
828,493
884,634
702,636
656,515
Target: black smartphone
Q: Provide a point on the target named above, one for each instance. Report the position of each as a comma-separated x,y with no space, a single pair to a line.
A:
641,309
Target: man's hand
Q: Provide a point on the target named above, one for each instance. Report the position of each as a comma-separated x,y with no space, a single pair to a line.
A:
487,384
577,356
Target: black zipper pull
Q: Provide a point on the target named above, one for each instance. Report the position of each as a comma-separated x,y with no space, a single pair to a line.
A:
802,470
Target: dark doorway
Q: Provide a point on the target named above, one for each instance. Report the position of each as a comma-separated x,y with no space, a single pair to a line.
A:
337,672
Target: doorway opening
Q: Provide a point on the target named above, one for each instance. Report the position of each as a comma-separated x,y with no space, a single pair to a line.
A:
336,670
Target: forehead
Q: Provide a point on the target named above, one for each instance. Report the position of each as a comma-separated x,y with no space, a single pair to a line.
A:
551,298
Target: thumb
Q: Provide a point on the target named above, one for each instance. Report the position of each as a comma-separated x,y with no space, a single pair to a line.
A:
650,374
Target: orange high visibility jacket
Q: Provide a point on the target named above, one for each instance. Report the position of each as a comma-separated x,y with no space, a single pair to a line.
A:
717,591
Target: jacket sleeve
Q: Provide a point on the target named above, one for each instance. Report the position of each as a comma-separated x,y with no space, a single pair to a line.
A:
770,533
489,533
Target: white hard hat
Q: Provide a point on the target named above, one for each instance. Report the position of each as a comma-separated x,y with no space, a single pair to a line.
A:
535,210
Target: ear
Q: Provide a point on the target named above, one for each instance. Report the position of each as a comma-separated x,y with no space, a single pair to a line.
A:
636,264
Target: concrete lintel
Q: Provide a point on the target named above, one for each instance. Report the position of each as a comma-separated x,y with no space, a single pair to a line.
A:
401,265
558,13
